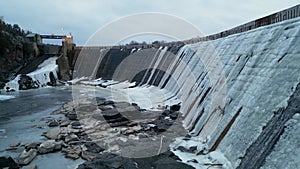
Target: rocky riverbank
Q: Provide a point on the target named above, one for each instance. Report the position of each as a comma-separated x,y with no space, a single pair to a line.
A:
106,134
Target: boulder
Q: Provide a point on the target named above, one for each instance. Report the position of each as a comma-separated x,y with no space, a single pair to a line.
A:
15,144
64,123
71,137
52,80
49,146
86,155
114,117
9,89
32,145
175,107
52,133
27,156
93,147
53,123
8,162
75,123
72,115
72,152
26,83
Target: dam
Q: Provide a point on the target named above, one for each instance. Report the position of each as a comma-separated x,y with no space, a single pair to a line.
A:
238,89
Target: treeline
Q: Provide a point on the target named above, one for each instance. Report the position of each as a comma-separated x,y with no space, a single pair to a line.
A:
13,29
15,49
11,37
145,43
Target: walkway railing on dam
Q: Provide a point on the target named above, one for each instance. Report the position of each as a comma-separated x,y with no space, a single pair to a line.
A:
286,14
283,15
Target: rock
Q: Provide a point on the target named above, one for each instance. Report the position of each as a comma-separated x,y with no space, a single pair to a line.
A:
32,167
93,147
77,127
174,115
71,137
108,160
168,163
187,137
75,123
63,67
114,117
32,145
8,162
192,149
85,107
53,123
86,155
26,83
52,133
52,80
109,102
2,85
132,130
166,113
49,146
161,126
148,126
175,107
72,152
15,144
11,149
192,161
105,107
72,115
64,123
39,126
27,156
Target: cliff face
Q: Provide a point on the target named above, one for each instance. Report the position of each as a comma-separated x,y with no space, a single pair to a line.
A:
15,50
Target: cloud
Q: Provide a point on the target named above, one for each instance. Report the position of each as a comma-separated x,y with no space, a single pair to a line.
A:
83,18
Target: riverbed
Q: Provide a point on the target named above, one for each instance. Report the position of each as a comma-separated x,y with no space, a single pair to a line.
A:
21,120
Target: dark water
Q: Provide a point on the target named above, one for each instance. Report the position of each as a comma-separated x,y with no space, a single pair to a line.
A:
18,117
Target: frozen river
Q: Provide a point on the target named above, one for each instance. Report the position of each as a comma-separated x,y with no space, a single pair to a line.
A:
19,117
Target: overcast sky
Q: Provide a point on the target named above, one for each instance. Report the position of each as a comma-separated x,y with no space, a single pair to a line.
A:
83,18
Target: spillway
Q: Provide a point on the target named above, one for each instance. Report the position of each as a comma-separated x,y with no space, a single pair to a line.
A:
233,89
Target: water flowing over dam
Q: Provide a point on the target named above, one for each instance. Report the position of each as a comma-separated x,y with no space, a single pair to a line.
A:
237,92
231,88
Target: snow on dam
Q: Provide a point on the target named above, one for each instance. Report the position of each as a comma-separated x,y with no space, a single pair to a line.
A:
239,93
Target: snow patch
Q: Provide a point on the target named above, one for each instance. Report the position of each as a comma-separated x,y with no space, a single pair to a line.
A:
40,76
13,84
77,80
147,97
199,159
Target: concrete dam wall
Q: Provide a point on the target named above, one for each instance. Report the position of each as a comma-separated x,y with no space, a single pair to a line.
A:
239,93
